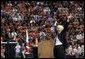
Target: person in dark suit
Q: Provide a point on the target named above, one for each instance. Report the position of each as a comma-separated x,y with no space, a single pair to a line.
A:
60,40
10,49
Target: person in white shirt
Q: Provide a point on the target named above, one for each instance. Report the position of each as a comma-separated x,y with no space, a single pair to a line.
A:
17,50
60,40
14,34
23,51
47,10
42,35
79,37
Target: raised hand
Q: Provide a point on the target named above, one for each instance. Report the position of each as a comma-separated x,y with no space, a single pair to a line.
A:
55,23
70,16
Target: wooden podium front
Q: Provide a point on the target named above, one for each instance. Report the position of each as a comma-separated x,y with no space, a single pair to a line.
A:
45,49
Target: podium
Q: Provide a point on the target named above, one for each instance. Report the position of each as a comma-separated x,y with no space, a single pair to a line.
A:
45,49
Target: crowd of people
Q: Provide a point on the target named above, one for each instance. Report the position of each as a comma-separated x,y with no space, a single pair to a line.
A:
39,17
75,52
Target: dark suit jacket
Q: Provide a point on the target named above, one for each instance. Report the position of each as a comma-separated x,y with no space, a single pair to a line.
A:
62,35
10,49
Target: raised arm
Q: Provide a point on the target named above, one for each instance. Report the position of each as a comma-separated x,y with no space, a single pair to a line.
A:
66,24
55,28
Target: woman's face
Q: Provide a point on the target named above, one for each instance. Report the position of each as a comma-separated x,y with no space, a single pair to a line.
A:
59,30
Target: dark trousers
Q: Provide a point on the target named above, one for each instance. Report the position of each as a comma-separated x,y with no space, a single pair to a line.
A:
59,51
35,52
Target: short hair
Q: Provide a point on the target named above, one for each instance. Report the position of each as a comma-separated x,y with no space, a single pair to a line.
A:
61,27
